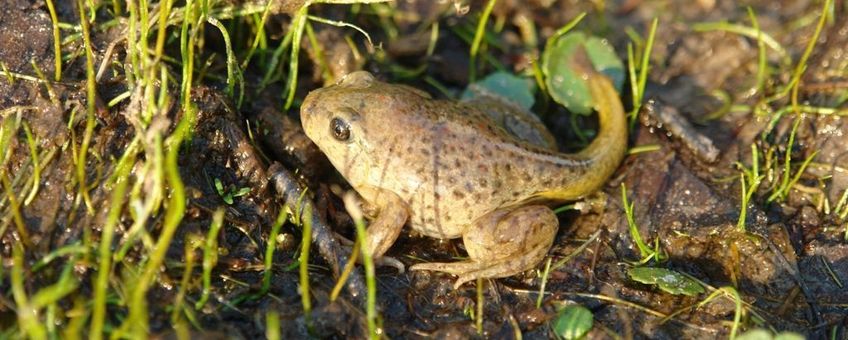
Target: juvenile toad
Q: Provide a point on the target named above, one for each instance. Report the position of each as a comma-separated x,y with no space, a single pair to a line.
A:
452,169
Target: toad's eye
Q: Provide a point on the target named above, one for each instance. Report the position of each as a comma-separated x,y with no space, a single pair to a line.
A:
340,129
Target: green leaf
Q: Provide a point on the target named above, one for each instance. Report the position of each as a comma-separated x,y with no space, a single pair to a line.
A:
505,85
604,59
563,77
572,322
219,187
668,280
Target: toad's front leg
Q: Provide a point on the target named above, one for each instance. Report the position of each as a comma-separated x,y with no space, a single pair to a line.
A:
502,243
391,214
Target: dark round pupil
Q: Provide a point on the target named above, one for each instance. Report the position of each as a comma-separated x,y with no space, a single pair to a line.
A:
341,130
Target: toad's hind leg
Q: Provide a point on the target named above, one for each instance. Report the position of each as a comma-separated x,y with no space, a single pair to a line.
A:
502,243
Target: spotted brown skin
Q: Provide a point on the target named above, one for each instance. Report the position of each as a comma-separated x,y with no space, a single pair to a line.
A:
448,170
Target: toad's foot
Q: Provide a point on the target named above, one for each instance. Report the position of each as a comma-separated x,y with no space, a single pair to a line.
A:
470,270
502,243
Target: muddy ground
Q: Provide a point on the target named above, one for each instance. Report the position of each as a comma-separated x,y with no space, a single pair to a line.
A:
789,266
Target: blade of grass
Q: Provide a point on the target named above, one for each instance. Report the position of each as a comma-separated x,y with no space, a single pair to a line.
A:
732,294
101,283
748,32
478,38
271,68
50,295
91,97
210,256
192,241
782,189
644,67
305,244
478,315
47,85
802,63
761,52
348,268
15,209
271,247
644,250
298,26
36,168
260,32
187,43
319,56
233,72
272,325
370,276
544,283
57,41
27,315
338,23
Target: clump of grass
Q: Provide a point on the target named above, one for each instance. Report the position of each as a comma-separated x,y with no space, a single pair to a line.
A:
101,283
787,179
637,84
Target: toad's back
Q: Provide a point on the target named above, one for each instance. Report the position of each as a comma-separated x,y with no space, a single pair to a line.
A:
450,161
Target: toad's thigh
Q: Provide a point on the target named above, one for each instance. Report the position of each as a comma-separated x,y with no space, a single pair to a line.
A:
511,232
